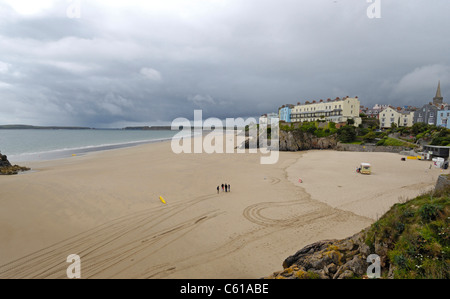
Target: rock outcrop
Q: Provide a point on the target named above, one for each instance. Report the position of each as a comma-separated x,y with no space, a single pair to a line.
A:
7,169
298,140
329,259
4,161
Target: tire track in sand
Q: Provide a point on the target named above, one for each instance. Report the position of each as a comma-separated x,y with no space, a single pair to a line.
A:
110,245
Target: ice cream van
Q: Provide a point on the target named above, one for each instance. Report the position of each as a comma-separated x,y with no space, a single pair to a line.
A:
365,168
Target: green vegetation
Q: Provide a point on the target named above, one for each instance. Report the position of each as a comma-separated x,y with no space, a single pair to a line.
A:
387,141
347,134
318,128
417,235
430,134
367,133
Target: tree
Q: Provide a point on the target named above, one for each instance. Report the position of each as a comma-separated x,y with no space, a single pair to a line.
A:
418,128
369,136
347,134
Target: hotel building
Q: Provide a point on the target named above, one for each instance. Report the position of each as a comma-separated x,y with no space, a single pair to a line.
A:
338,111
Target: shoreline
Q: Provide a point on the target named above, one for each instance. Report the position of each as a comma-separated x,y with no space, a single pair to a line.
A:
79,151
105,207
59,154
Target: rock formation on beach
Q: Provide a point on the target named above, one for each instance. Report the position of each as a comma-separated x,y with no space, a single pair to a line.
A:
7,169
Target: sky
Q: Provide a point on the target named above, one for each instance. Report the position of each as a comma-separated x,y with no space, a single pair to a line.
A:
116,63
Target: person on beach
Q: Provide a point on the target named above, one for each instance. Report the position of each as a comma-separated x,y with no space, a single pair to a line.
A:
222,187
218,189
226,188
229,188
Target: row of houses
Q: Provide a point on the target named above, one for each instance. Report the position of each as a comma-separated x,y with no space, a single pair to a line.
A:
337,111
434,113
341,110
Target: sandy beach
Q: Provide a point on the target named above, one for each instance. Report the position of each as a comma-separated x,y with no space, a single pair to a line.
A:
105,207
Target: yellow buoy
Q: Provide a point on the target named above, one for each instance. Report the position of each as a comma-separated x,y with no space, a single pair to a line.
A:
162,200
73,155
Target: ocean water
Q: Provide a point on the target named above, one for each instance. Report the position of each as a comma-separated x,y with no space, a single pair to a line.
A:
31,145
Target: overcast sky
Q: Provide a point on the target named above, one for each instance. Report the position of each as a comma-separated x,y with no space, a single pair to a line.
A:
114,63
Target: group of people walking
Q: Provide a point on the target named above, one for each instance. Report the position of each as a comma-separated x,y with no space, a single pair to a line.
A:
225,187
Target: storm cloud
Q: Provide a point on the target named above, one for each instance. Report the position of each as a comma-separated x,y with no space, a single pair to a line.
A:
118,63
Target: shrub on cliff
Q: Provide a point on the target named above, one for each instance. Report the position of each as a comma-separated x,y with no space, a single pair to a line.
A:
312,128
416,235
346,134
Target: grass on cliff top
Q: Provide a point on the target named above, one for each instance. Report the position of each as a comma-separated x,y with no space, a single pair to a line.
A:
317,128
388,141
417,235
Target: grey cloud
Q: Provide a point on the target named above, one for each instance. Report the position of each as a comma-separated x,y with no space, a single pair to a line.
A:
134,65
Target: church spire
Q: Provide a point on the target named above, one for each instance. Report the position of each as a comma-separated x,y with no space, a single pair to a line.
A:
438,99
438,92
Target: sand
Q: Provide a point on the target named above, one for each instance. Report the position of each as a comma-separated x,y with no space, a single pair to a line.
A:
105,207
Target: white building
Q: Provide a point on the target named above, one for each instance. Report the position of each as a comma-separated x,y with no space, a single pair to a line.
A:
338,111
391,116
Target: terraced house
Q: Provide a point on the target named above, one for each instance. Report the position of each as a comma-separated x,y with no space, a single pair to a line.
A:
337,110
429,113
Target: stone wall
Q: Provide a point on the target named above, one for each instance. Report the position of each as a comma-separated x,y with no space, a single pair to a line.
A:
442,182
369,148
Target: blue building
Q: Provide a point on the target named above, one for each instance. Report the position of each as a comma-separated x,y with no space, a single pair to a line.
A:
284,113
443,117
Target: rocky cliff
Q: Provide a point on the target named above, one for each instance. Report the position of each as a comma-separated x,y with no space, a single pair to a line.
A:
298,140
329,259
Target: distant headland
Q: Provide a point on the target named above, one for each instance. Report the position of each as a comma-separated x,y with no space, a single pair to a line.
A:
30,127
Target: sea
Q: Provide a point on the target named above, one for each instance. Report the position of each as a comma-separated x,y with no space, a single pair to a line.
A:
48,144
